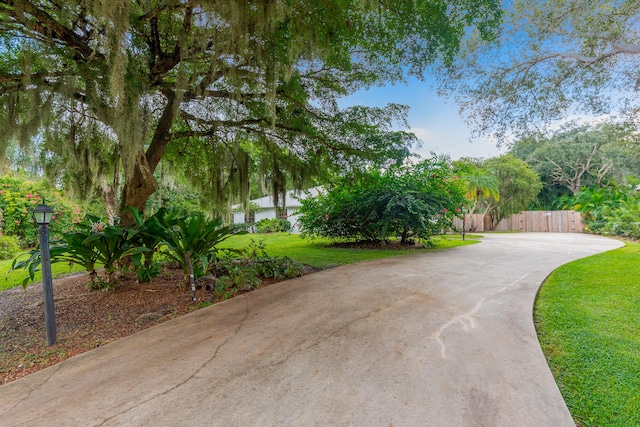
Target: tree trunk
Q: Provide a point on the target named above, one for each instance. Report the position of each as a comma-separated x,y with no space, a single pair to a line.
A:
140,183
138,187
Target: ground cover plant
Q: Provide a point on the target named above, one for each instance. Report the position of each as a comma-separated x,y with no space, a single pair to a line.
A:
588,321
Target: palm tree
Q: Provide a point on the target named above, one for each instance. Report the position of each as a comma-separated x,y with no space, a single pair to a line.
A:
479,184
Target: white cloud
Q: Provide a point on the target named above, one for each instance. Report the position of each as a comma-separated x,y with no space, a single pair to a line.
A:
454,144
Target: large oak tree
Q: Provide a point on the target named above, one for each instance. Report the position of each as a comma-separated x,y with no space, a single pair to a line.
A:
106,89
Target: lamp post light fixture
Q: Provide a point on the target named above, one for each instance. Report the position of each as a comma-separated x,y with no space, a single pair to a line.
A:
43,215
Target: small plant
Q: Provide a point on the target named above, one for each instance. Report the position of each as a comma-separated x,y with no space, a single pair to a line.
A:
278,267
240,277
256,249
99,284
202,304
145,274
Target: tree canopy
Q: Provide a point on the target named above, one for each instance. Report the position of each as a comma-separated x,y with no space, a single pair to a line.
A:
554,59
579,156
104,91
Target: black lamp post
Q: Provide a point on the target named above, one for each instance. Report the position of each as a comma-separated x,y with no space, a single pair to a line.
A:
43,214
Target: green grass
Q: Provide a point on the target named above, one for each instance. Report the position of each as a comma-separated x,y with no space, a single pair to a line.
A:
588,320
319,254
15,277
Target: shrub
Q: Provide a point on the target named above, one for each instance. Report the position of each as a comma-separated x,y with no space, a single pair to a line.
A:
92,242
408,202
19,196
151,232
9,247
277,267
612,210
246,273
145,273
273,225
191,240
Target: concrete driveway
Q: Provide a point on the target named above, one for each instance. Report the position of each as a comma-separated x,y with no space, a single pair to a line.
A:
435,339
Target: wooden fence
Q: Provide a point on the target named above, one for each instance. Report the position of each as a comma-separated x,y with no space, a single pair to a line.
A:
540,221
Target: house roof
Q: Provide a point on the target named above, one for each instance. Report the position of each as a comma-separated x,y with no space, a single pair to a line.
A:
292,199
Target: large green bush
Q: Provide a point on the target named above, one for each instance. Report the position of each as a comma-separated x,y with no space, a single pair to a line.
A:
415,201
19,196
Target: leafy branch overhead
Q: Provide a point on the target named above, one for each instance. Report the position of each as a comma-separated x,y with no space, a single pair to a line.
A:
113,88
554,59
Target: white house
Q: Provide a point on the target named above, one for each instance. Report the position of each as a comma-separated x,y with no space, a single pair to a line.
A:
268,210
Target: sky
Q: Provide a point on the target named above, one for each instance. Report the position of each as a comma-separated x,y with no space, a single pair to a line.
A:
434,120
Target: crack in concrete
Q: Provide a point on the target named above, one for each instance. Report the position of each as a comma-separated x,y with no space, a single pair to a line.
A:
330,335
208,361
28,395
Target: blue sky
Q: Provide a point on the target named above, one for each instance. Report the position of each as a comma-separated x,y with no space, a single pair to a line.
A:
433,119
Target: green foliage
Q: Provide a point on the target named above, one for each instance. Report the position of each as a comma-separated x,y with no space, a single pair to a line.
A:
591,201
9,247
192,238
93,242
273,225
587,319
270,73
477,183
151,232
246,273
18,198
612,210
623,221
145,273
416,201
237,277
176,197
518,187
112,244
279,267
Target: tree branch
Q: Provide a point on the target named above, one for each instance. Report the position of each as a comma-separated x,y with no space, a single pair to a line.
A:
48,27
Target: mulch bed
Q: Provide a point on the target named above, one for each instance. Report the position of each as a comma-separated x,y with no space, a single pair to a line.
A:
86,319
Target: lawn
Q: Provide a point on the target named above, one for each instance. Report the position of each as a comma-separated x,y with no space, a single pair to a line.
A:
588,320
319,253
15,277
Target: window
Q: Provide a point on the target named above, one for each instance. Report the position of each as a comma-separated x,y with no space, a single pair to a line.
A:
281,213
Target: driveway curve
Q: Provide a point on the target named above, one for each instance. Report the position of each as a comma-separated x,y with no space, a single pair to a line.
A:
444,338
